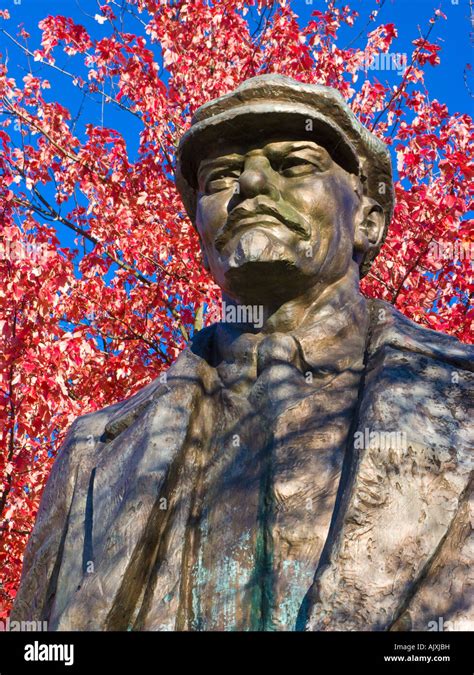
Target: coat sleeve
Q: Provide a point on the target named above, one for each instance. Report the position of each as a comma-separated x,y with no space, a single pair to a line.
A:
444,600
46,552
45,546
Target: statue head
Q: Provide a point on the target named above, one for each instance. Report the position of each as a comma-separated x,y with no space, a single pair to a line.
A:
285,187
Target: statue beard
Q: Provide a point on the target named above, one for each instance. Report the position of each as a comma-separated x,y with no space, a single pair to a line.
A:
264,268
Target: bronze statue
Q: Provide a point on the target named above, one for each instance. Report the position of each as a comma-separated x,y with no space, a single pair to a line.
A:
304,465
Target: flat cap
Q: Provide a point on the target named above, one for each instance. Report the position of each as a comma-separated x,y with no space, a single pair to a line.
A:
275,105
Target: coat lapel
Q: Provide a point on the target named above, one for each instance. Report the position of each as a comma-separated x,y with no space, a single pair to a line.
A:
134,495
403,482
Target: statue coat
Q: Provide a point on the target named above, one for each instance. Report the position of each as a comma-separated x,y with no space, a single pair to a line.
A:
121,543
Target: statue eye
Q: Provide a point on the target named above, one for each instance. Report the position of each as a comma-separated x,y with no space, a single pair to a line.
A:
298,166
221,180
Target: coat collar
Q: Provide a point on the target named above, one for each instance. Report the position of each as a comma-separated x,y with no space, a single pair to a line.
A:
328,341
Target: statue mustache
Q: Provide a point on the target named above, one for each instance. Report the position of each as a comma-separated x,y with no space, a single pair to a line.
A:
287,215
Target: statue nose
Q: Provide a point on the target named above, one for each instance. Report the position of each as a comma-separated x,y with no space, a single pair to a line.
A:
254,182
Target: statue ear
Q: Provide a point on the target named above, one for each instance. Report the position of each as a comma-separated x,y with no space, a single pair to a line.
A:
369,228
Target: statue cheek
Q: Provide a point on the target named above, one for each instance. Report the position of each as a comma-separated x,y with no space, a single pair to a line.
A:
334,207
211,214
309,196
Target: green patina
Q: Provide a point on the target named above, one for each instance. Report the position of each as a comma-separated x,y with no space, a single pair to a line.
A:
246,576
200,576
299,581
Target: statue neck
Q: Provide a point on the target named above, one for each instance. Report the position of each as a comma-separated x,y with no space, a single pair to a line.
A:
313,306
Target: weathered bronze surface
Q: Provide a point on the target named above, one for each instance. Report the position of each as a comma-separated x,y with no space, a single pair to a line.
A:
305,463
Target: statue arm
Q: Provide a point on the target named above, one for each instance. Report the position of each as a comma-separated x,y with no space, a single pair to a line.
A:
44,550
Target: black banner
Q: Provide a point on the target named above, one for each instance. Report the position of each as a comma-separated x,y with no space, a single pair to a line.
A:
328,653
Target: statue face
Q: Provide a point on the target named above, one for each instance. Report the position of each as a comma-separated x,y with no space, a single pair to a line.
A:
276,218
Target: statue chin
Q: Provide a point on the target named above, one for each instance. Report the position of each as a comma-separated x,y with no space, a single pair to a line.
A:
261,269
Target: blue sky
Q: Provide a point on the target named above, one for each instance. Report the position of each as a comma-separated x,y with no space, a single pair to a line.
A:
445,82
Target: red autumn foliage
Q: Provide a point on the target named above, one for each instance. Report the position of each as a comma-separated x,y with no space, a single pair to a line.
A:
84,328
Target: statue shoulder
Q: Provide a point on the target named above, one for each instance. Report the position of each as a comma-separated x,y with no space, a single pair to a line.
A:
391,328
106,424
